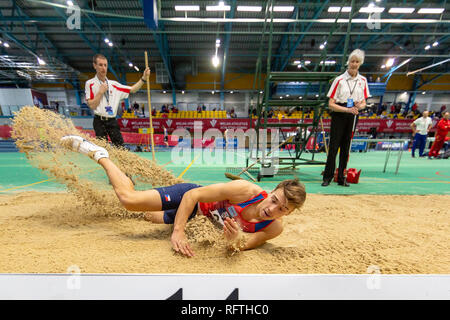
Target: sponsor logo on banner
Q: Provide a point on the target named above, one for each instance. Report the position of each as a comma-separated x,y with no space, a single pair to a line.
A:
364,125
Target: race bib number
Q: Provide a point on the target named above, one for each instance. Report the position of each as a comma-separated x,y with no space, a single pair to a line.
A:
219,215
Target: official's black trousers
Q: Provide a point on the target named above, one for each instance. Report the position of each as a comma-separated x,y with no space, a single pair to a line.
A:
105,127
340,138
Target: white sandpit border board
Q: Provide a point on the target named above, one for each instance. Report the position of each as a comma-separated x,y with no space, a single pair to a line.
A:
220,286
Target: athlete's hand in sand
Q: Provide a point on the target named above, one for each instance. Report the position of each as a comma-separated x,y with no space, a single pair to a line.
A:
180,244
230,229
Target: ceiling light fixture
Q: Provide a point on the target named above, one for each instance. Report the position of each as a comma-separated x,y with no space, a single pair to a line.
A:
430,10
187,8
334,9
220,7
401,10
215,61
283,8
371,9
249,8
390,62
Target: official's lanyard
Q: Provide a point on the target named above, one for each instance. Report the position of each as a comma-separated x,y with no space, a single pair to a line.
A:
106,92
351,91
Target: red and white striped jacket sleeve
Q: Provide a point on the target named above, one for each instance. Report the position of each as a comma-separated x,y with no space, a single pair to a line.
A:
366,88
89,90
334,88
121,90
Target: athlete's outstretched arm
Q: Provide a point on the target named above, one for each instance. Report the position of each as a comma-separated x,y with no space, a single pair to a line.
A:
214,192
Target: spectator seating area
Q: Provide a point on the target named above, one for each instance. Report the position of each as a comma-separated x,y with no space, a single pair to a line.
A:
183,114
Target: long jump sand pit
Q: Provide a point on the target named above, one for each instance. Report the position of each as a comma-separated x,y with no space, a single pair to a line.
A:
52,233
87,229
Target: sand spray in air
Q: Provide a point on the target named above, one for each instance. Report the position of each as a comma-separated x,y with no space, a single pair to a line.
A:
38,133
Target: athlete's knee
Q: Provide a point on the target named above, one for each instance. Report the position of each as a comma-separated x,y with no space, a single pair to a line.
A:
127,199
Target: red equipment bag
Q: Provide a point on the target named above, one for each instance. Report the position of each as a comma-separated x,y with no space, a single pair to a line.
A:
352,175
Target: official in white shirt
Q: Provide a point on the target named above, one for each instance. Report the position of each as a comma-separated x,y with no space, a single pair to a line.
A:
348,95
103,96
420,128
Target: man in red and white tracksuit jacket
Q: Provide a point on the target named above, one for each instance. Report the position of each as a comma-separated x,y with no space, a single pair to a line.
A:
443,128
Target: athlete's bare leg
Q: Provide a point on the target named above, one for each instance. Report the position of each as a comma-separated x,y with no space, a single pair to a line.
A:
131,199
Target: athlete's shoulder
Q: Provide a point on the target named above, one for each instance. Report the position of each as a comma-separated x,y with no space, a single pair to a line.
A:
274,229
247,185
241,190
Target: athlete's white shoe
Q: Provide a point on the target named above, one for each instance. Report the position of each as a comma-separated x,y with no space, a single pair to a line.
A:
78,144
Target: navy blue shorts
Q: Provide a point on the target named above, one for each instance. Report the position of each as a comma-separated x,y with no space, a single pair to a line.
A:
171,198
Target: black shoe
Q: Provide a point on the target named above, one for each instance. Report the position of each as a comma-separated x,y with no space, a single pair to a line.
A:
326,183
413,156
344,184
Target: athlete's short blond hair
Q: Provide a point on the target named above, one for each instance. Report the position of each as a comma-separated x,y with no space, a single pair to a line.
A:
294,191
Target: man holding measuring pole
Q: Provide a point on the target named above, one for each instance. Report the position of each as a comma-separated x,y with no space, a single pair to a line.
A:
103,96
348,95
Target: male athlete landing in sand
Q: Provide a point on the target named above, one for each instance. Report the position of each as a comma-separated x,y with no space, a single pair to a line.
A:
237,205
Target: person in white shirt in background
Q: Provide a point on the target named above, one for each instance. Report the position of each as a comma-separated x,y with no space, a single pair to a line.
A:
348,95
420,128
103,96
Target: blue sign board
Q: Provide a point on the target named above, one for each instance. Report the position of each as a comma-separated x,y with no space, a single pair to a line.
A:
150,13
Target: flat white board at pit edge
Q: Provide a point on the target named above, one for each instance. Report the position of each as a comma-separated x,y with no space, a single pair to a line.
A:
220,286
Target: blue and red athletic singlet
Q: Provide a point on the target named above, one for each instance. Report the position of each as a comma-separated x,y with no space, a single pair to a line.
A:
219,210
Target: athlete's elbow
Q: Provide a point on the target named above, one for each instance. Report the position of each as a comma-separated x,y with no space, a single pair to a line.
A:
191,196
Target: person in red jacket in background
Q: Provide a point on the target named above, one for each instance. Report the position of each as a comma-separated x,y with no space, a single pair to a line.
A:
443,128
